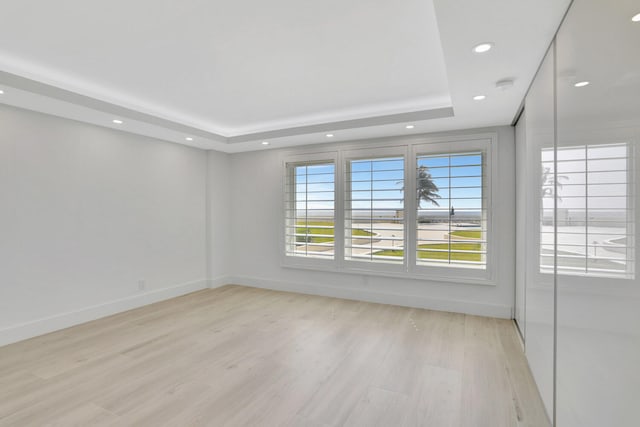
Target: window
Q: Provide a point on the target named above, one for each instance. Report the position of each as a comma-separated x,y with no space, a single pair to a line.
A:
451,212
310,209
595,215
374,217
348,210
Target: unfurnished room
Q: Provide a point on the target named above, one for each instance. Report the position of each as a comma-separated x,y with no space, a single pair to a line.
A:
320,213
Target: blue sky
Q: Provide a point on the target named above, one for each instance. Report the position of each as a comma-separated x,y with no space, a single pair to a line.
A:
458,178
315,188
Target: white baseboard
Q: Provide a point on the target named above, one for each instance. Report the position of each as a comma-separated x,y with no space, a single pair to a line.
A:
465,307
45,325
216,282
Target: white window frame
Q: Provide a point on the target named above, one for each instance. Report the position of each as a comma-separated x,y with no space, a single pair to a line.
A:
372,153
303,261
454,147
408,148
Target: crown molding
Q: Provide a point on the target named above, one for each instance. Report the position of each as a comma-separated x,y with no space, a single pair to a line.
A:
51,91
436,113
29,85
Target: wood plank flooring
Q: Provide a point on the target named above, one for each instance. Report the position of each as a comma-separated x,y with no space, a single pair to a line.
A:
239,356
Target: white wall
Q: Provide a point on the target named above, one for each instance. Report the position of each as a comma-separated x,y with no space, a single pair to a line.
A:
219,217
85,213
256,203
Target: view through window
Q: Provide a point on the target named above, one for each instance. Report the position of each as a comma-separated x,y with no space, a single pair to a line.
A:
310,210
374,221
444,222
451,223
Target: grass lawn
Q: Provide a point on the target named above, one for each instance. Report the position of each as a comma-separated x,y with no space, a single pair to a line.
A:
317,227
469,234
426,252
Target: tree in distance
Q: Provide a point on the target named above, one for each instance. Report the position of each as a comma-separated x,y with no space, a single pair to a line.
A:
427,189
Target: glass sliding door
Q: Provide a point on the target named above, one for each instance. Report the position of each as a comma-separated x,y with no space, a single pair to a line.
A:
539,225
598,141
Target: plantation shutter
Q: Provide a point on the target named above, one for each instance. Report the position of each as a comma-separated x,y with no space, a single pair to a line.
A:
310,210
374,210
451,210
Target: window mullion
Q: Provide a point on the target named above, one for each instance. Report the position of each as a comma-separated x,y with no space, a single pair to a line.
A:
306,210
449,213
586,209
371,210
410,211
339,210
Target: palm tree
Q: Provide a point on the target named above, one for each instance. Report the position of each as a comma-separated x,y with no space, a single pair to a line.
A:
427,189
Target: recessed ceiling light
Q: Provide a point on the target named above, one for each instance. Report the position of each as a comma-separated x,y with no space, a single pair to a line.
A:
189,138
329,135
409,126
1,92
479,97
636,18
482,47
581,84
118,122
265,142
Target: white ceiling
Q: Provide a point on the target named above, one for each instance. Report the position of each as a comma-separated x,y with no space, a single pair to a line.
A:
231,74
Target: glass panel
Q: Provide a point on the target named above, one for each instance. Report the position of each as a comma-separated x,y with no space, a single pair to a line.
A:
598,292
450,210
539,187
374,210
310,210
588,206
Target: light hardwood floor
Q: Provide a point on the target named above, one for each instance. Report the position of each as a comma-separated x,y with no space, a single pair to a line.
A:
241,356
